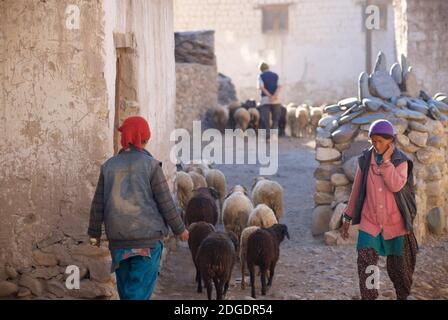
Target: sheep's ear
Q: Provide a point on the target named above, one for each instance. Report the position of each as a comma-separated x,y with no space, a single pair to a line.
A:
246,192
214,192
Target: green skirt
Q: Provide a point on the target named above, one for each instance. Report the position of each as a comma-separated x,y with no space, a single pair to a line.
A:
392,247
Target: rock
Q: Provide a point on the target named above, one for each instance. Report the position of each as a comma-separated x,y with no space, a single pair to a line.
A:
88,250
323,133
335,108
324,171
441,105
437,142
435,127
324,186
333,125
435,114
404,65
380,64
434,173
99,270
321,198
54,237
417,126
410,84
34,285
349,102
339,179
368,118
331,237
344,133
325,121
403,140
396,73
324,142
434,188
418,138
418,107
195,47
336,218
23,293
349,117
11,272
342,146
400,125
45,273
436,221
430,155
383,86
409,114
402,103
350,167
90,290
8,289
226,90
342,194
363,86
327,154
57,288
321,220
372,103
44,259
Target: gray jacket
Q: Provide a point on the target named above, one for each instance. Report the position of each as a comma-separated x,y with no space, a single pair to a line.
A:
133,200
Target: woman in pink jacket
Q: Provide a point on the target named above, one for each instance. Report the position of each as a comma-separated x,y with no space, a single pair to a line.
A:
382,202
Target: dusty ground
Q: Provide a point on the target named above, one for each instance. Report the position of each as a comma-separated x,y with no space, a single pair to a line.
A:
307,269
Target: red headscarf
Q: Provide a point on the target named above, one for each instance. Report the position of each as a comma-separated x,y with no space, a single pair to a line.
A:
133,131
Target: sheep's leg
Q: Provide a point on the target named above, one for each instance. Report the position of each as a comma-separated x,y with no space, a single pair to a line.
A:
243,265
199,280
271,274
226,288
218,287
252,279
263,281
208,285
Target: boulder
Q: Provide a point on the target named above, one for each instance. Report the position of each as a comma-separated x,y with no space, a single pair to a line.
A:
430,155
324,186
383,86
57,288
331,237
350,167
363,86
417,126
339,179
396,73
403,140
418,138
34,285
368,118
327,154
336,218
410,84
436,221
409,114
349,102
8,289
321,198
344,133
321,219
342,194
44,259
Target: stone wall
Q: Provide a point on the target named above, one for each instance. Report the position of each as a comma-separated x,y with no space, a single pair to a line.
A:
58,106
196,77
422,36
421,123
325,44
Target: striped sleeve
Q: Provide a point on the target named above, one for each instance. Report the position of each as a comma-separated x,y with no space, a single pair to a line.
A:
165,202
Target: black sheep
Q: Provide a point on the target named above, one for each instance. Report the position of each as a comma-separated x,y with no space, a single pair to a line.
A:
263,250
215,259
198,232
282,122
202,207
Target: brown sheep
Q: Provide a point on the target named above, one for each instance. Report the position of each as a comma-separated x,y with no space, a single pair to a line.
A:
232,108
215,259
270,193
254,118
198,232
242,119
202,207
198,179
263,250
220,117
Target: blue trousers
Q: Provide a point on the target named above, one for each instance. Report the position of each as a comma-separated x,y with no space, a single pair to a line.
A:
137,276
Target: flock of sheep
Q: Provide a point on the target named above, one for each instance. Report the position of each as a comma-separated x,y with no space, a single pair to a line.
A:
295,120
252,233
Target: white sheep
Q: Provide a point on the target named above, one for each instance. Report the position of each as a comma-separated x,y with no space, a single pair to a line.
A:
270,193
216,179
291,119
236,209
262,216
184,186
302,120
198,180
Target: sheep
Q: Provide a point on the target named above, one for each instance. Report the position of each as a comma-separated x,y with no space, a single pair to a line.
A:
263,250
249,104
243,251
198,232
315,115
291,118
232,107
199,180
262,216
242,118
302,120
217,180
270,193
198,166
282,121
236,209
254,118
215,259
202,207
220,117
184,188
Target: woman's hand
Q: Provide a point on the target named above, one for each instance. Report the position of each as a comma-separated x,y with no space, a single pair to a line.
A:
344,230
184,235
389,151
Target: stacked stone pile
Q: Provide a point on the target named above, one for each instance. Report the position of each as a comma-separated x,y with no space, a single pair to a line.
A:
421,123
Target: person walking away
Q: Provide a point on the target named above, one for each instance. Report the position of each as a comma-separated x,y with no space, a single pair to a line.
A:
268,84
383,203
134,202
